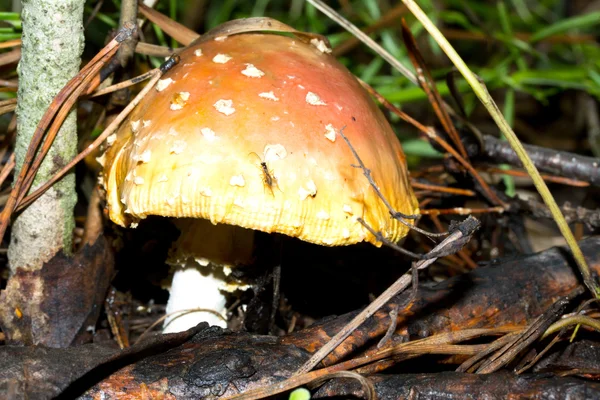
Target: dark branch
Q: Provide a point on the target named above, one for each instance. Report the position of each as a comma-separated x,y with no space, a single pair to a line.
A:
395,214
550,161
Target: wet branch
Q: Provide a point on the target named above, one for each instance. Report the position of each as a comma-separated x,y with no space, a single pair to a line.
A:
551,161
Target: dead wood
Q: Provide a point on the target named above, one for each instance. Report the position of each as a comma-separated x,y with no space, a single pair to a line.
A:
35,372
456,385
507,293
561,163
219,363
579,358
537,209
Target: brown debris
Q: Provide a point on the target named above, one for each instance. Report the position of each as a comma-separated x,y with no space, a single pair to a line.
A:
455,385
46,373
510,293
219,363
56,305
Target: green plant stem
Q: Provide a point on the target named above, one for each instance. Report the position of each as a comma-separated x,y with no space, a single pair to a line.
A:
570,321
484,96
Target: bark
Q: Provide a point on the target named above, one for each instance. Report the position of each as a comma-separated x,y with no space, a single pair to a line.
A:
51,55
454,386
561,163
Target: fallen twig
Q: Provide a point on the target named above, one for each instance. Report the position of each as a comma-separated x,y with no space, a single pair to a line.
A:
457,236
530,335
395,214
562,163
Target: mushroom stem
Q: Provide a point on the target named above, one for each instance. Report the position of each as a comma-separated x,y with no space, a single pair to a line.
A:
194,297
203,257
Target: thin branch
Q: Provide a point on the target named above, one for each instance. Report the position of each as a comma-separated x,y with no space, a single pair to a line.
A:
462,211
10,43
177,31
591,218
150,49
124,84
431,134
441,189
128,17
487,190
7,106
427,83
523,174
389,243
402,283
562,163
533,332
395,214
442,343
7,169
493,347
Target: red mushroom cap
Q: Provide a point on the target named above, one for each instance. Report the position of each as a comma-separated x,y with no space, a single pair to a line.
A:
245,131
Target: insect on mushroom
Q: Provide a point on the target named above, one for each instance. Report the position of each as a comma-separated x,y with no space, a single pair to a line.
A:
269,180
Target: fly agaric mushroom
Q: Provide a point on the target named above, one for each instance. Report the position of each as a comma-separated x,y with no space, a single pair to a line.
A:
244,133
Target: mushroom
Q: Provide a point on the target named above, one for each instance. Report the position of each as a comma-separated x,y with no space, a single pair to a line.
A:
243,135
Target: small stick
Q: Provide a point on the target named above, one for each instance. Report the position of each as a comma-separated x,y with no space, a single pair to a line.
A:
393,325
530,335
149,49
177,31
442,189
124,84
388,243
462,254
462,211
10,43
128,17
427,83
431,134
398,286
423,346
8,167
547,178
562,163
395,214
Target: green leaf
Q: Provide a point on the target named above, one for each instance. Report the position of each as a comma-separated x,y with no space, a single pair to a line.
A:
420,148
577,22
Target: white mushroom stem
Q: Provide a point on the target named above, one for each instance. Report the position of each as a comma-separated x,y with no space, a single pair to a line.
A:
202,258
190,291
